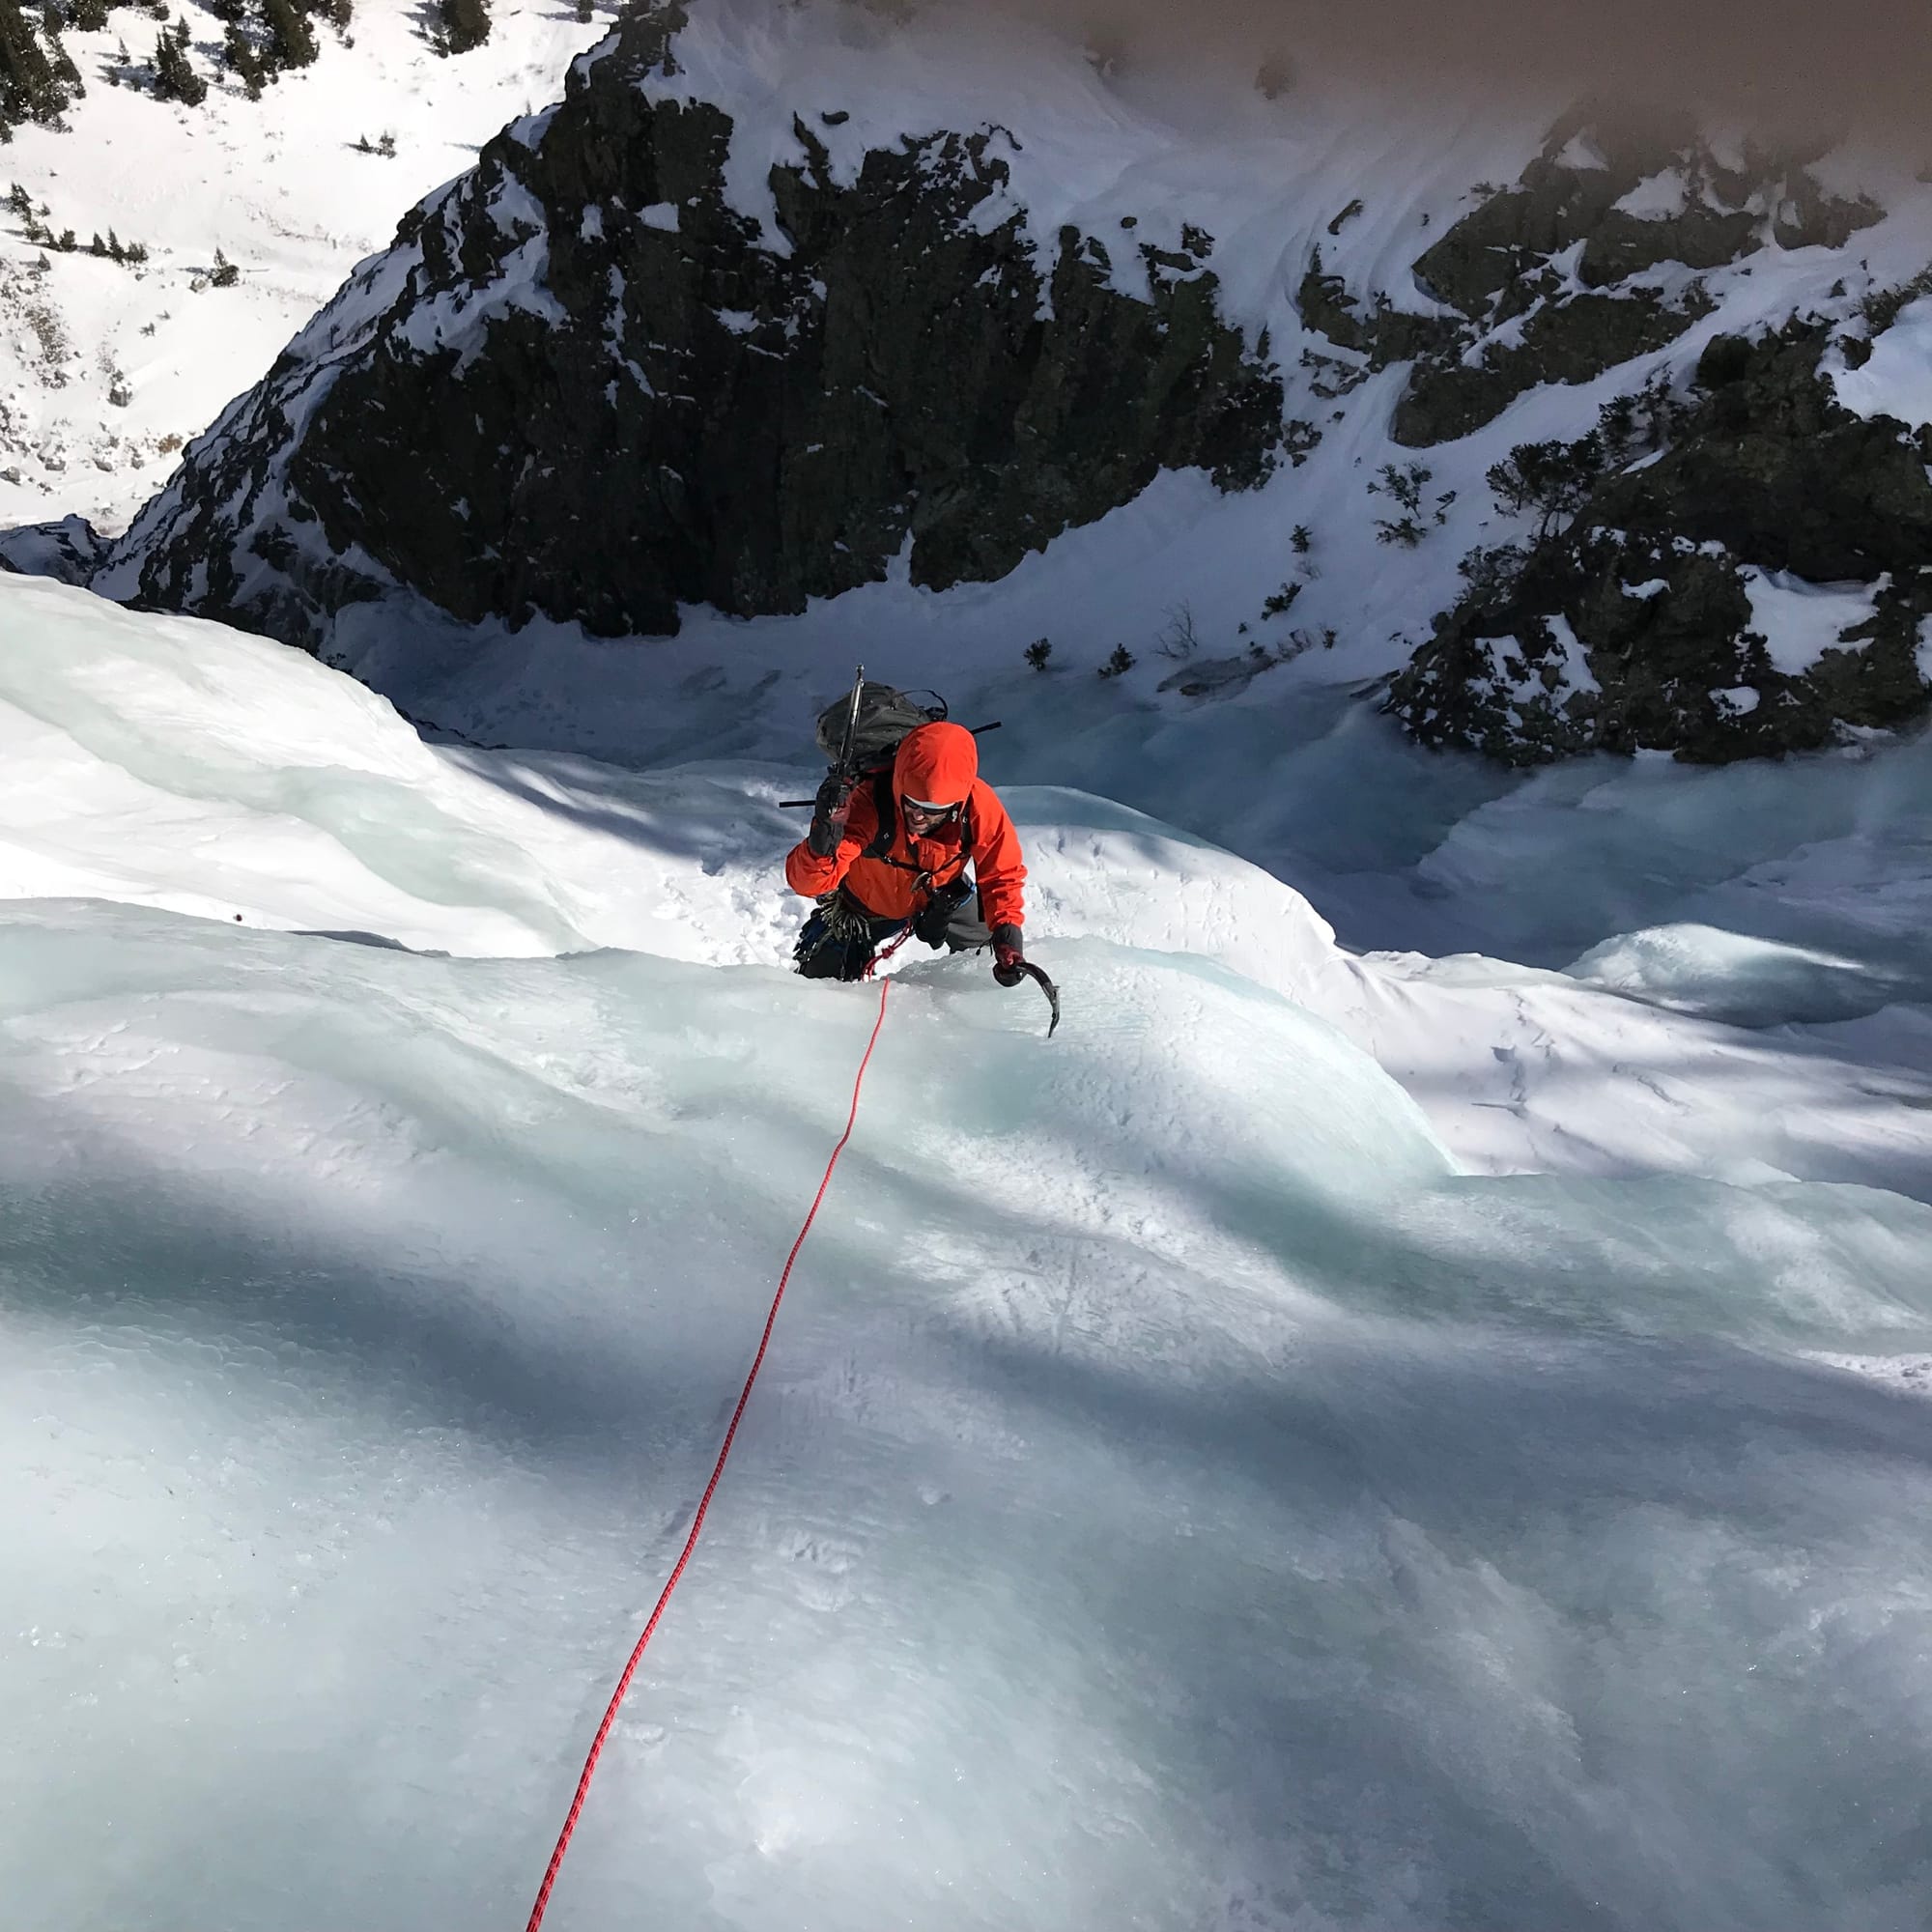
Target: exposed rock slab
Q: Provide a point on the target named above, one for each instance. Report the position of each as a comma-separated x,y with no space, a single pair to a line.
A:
582,384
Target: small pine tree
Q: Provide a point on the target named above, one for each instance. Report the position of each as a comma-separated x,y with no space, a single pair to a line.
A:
386,147
239,54
291,42
466,23
175,78
340,12
1039,651
225,273
1550,479
19,202
66,245
90,17
51,22
1302,540
98,247
1122,661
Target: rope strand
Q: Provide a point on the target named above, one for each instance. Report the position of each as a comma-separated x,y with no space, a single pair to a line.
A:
604,1729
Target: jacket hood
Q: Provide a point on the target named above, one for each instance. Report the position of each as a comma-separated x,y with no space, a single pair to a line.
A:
937,763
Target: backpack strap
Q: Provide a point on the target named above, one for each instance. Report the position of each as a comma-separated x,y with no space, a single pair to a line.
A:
886,808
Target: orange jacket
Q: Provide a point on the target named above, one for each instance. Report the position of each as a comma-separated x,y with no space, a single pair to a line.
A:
940,765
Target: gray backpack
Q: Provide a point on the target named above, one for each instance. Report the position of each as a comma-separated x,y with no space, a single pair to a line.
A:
885,716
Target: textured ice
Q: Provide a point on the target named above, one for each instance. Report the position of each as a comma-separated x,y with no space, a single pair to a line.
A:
1730,976
1185,1490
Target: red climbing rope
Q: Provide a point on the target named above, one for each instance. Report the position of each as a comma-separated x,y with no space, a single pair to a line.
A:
597,1743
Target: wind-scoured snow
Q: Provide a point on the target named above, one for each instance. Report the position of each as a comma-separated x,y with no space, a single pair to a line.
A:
1188,1488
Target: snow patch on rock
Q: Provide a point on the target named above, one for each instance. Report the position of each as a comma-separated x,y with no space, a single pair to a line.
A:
1800,620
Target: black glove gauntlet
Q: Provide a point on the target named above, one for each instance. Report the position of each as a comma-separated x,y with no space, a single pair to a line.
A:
1008,955
828,815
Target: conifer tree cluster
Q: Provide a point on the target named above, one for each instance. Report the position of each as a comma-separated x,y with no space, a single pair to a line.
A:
37,79
262,38
265,37
175,77
465,25
291,38
38,230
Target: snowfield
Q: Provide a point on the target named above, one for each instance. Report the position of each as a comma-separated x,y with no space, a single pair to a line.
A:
1197,1481
106,371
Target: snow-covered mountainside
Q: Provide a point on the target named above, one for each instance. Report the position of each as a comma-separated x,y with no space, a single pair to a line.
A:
1197,1482
108,368
783,304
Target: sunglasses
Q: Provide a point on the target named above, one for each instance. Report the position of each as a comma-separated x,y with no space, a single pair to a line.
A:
918,808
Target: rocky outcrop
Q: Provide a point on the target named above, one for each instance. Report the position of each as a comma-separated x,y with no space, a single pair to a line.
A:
69,551
584,384
1567,274
1754,584
1572,340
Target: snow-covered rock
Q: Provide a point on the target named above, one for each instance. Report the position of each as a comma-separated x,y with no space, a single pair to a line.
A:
544,401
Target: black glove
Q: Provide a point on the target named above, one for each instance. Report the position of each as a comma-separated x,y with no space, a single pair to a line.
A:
936,915
828,815
1008,955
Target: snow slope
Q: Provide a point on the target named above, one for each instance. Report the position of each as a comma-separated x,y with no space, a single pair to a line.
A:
127,779
1188,1489
277,185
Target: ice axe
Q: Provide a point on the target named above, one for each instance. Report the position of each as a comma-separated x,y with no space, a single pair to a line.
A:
1047,987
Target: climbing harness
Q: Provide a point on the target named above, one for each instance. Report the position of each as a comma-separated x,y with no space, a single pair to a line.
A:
597,1743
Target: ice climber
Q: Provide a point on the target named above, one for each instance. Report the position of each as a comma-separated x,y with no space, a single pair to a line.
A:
896,849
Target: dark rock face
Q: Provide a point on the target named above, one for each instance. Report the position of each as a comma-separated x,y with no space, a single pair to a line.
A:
582,384
1574,341
69,551
1634,627
1519,316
